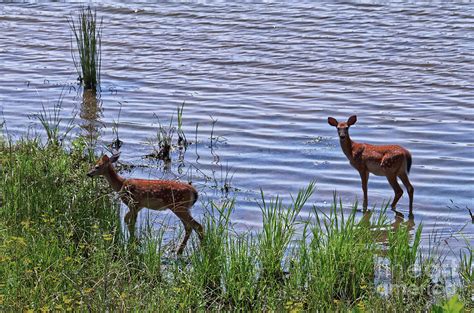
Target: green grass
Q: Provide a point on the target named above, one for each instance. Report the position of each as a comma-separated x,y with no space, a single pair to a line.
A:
88,37
466,273
164,144
62,248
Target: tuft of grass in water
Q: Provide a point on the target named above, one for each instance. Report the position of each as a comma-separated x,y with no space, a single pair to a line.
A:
87,32
164,144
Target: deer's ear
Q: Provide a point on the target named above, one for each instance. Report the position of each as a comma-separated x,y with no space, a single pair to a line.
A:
114,157
352,120
105,158
332,121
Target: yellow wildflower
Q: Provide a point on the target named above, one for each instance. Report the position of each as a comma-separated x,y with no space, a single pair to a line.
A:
26,224
380,289
107,237
67,300
4,258
18,240
297,307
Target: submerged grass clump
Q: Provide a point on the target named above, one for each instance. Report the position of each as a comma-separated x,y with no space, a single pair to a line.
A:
62,248
88,37
163,144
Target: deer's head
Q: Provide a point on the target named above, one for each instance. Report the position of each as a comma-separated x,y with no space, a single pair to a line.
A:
102,165
342,127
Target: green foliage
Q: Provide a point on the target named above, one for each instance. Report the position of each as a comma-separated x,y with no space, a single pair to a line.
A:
401,253
453,305
51,121
206,274
182,141
466,273
62,248
163,144
278,230
411,280
58,227
341,259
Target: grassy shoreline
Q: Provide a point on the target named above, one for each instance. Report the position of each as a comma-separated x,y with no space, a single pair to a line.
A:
62,248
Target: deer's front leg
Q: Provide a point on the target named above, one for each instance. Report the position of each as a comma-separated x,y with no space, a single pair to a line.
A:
364,177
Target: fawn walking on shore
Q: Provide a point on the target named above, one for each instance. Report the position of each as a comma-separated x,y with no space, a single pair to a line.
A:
391,161
152,194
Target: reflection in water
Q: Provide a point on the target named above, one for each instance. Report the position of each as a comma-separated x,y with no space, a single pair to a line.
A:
91,111
381,233
181,165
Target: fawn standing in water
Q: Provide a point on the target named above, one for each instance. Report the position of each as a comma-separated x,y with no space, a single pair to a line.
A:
152,194
391,161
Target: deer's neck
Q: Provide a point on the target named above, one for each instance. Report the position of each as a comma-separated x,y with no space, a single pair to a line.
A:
114,179
347,145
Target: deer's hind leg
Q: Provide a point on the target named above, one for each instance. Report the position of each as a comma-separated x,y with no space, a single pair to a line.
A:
392,179
410,189
189,224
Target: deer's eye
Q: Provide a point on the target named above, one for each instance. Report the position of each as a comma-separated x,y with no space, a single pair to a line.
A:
96,167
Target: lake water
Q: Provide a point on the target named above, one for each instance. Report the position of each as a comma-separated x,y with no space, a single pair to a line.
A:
262,80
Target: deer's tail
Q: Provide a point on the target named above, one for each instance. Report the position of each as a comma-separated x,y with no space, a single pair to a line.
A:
408,162
196,196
